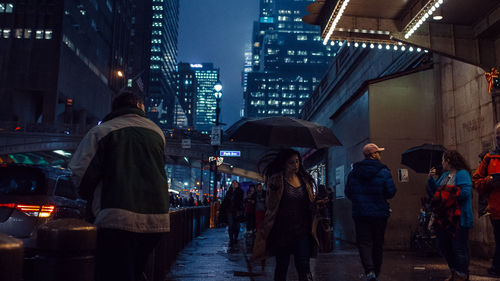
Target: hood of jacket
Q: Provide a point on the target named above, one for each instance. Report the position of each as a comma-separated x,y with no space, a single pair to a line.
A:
123,111
367,169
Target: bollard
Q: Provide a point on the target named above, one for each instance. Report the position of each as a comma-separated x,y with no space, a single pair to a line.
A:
66,251
11,258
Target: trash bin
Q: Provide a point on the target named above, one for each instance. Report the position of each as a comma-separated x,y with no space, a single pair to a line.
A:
66,251
11,258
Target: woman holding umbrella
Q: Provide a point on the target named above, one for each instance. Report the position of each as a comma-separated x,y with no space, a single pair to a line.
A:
290,222
452,206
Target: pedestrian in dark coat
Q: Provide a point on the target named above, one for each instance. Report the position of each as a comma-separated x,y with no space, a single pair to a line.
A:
250,201
232,208
289,226
369,185
260,205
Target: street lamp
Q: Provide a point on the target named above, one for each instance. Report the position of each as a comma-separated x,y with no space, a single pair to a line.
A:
218,96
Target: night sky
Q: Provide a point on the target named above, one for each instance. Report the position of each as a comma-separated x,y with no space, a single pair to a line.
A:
217,31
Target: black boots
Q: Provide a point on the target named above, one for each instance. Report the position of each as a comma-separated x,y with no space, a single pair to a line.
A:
306,277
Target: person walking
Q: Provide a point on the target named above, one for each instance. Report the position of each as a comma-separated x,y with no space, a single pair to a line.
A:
260,205
486,182
119,167
232,208
250,201
369,185
452,209
289,226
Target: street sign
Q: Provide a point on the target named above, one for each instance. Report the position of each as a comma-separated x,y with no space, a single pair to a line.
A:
230,153
215,137
186,143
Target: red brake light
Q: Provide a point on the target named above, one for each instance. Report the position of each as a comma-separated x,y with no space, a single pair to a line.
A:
8,205
44,211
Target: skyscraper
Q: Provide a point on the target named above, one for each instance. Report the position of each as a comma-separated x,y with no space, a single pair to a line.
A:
288,60
187,91
58,59
207,76
161,103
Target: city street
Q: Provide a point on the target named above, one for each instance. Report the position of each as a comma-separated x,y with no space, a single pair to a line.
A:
209,257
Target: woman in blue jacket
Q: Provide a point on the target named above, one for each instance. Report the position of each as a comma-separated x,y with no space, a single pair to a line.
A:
453,188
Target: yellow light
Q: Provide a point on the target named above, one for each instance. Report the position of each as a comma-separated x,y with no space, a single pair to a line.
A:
119,73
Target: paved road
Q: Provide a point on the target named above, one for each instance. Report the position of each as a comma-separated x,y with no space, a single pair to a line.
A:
209,257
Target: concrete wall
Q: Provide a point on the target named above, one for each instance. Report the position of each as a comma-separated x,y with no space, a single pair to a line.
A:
468,127
352,128
396,114
403,115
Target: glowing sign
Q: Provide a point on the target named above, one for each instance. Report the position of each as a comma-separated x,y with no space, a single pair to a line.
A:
229,153
196,65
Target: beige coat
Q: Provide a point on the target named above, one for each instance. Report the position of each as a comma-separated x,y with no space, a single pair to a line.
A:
275,186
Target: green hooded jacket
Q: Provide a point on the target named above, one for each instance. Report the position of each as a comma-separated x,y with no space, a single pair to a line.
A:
120,167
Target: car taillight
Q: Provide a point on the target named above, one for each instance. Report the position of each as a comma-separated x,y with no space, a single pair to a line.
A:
8,205
44,211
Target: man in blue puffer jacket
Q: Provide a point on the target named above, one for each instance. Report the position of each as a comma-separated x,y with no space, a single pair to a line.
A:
369,185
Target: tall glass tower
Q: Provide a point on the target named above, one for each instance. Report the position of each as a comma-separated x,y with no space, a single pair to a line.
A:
161,101
288,60
207,76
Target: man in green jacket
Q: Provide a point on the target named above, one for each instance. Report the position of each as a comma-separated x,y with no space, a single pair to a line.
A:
119,168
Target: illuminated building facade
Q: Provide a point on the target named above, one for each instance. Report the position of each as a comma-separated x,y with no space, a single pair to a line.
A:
187,92
288,60
207,76
162,84
58,59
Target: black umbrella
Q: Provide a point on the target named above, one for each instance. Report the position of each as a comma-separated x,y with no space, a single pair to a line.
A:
284,131
422,158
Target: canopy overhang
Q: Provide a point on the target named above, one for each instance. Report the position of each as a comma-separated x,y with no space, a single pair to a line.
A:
468,31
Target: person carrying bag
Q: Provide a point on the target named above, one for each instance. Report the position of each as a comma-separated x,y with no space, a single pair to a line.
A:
452,208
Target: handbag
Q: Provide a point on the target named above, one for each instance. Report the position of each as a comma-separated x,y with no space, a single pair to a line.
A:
325,236
446,208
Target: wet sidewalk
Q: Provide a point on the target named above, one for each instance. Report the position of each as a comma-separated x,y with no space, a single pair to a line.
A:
209,257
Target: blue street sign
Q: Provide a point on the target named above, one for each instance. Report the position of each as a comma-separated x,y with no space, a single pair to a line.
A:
229,153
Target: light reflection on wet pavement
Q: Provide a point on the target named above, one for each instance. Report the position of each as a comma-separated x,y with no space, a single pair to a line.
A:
209,257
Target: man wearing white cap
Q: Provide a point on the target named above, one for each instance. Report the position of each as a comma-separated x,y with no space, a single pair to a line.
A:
369,185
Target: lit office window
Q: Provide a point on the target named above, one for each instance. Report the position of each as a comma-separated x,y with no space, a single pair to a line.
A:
129,83
6,33
39,34
301,37
48,34
18,33
9,8
2,8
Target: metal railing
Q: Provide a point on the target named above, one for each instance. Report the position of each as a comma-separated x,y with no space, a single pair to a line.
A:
66,129
59,257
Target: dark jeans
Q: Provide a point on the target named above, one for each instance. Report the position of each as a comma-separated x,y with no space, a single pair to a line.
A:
496,232
122,255
455,249
250,221
301,252
233,226
370,233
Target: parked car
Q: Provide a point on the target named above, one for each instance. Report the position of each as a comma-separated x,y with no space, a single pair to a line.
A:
32,195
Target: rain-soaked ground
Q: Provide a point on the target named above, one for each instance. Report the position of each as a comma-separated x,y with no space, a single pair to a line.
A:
209,257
